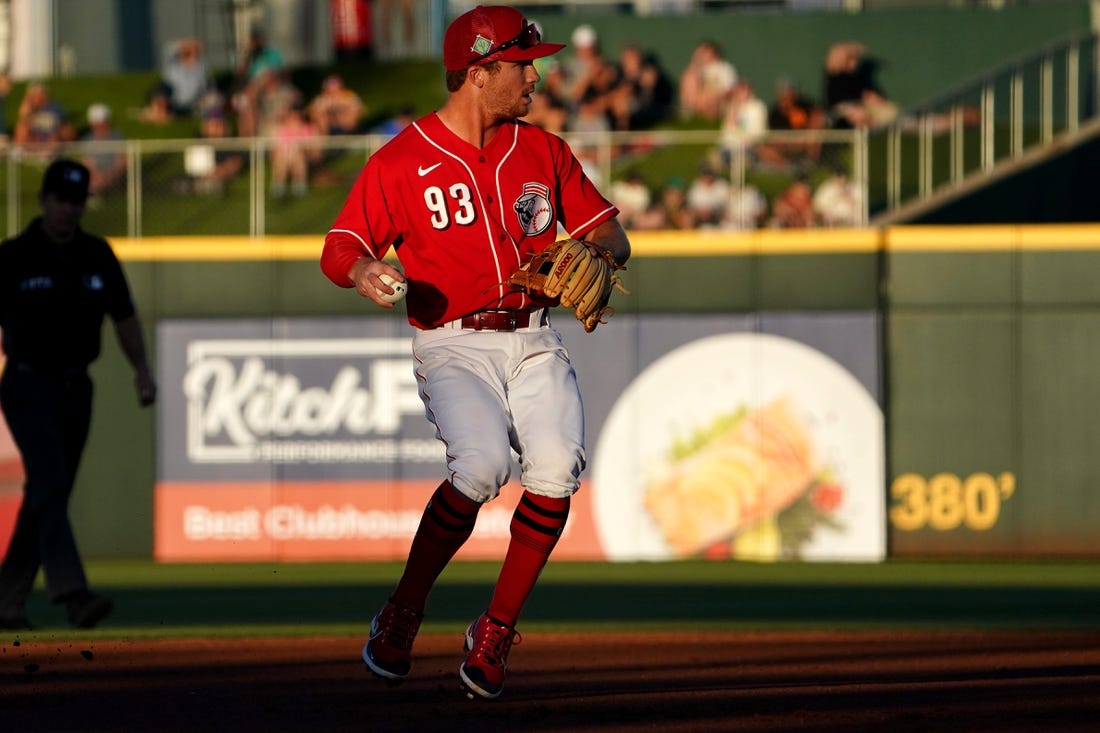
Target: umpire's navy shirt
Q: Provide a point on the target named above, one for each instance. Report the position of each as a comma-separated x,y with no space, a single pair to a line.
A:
53,298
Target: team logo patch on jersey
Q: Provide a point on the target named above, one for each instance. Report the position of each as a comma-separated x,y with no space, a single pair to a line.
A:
481,45
41,282
534,209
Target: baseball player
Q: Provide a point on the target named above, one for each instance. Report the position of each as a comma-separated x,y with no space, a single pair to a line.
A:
56,285
465,196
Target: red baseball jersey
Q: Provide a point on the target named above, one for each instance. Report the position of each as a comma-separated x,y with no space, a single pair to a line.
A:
462,219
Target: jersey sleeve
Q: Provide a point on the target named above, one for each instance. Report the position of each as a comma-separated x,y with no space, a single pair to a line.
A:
363,227
583,206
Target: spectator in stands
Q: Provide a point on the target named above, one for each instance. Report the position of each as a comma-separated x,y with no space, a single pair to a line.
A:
744,120
590,115
156,111
212,103
852,96
793,208
256,65
398,122
336,110
5,90
106,166
42,123
291,153
546,114
669,210
210,168
258,56
748,209
273,93
631,195
184,79
594,97
793,111
548,105
553,83
643,94
584,66
706,82
708,197
838,201
589,158
674,201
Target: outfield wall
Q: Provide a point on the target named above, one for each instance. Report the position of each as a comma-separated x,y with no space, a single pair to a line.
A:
978,345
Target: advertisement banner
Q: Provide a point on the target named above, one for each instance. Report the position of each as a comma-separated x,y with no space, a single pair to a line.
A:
11,479
726,436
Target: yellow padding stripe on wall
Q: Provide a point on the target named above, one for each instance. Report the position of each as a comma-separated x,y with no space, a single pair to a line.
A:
997,238
993,238
218,248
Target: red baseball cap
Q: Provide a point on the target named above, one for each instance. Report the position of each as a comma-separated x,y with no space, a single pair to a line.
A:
492,33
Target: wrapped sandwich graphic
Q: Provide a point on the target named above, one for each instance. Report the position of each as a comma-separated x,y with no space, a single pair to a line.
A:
737,474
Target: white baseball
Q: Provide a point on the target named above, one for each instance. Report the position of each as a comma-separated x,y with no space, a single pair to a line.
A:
400,288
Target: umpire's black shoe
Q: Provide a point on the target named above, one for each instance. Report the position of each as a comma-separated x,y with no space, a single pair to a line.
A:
87,609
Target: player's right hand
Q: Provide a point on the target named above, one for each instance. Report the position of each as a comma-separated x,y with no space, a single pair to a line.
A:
365,275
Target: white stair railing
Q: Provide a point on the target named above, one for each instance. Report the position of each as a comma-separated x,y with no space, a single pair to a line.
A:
969,132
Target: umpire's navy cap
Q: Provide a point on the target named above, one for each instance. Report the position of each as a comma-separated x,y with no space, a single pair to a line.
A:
67,180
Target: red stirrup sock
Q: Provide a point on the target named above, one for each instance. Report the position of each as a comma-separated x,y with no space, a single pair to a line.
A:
536,526
446,524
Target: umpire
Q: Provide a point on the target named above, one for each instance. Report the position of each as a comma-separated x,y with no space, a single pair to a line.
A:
57,282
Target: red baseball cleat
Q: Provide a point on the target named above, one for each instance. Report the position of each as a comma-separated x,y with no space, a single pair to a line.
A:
487,643
388,652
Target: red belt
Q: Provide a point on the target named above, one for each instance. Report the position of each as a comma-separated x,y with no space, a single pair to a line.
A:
501,320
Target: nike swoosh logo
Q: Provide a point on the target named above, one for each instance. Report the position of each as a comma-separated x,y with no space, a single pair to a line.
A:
422,171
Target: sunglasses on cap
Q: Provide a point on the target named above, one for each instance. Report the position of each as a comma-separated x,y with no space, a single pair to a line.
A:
529,37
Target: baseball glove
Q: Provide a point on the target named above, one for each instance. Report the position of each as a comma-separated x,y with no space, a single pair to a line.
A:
577,275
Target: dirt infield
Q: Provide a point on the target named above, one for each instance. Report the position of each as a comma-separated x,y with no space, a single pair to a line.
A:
750,681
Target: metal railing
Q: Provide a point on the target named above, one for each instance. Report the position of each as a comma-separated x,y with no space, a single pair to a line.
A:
171,187
954,142
962,136
654,7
